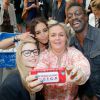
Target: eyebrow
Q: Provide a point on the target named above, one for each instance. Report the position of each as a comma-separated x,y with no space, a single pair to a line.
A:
43,29
30,50
59,32
74,11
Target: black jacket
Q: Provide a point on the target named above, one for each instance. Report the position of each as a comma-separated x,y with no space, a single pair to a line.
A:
12,89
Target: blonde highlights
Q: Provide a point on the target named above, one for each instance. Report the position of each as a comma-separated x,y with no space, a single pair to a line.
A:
20,65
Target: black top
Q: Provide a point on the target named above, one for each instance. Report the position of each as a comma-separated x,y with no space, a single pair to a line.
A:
59,13
18,9
45,9
91,49
12,88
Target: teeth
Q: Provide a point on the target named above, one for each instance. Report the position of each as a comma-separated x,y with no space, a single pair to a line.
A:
76,23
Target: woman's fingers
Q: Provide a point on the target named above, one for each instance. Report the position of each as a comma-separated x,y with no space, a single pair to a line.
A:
34,85
36,89
74,72
32,81
68,69
77,78
25,35
30,78
76,75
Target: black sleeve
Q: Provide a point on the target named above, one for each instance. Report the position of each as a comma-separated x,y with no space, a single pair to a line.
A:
12,88
9,89
7,92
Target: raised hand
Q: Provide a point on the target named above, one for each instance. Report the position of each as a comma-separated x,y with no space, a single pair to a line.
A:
33,84
75,74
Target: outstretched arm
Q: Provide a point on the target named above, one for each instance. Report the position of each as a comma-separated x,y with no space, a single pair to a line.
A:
6,43
9,42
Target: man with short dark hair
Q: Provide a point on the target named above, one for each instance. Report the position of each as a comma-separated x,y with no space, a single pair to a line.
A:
87,40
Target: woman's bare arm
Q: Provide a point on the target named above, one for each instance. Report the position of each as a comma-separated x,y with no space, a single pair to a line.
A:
9,42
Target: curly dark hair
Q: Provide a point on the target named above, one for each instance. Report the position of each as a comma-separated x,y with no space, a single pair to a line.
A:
73,4
34,22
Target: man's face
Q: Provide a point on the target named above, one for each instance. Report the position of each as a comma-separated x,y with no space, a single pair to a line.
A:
77,18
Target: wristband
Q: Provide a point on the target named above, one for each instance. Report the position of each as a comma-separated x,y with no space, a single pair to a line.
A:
16,39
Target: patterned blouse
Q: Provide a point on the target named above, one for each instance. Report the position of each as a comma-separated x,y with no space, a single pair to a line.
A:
72,57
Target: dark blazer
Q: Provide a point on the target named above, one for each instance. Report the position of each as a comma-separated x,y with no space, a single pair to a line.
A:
91,49
59,13
12,89
45,9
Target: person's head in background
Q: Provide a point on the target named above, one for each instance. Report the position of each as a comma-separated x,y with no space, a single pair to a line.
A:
39,28
77,17
26,57
58,37
95,6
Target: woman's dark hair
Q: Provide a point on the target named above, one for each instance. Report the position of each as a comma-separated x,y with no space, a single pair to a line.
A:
33,24
36,21
73,4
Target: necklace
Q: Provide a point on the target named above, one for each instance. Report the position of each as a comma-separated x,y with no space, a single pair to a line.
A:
60,57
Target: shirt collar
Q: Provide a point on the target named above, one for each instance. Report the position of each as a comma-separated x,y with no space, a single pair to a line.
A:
90,36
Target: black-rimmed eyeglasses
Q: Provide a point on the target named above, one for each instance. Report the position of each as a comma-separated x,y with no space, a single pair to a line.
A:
76,13
27,53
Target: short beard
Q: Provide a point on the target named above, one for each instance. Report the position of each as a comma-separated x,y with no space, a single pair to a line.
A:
80,30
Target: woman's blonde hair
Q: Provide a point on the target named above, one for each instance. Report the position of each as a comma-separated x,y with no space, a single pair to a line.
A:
95,4
66,29
51,22
20,65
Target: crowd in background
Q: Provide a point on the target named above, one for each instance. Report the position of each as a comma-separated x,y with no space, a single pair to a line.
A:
26,10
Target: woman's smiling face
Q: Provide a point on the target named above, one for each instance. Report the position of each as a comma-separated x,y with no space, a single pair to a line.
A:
29,55
41,33
57,37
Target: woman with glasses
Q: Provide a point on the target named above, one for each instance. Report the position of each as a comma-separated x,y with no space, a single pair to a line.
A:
16,85
39,30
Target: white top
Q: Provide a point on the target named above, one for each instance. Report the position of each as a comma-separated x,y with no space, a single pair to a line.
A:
87,4
92,19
